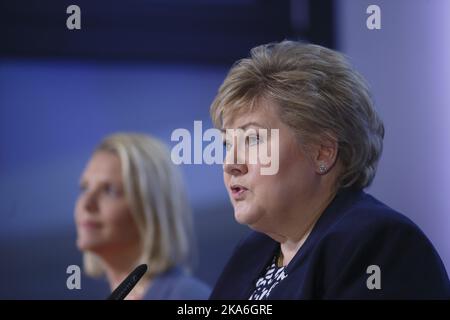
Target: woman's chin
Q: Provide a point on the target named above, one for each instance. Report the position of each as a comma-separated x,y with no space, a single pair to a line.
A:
245,217
88,245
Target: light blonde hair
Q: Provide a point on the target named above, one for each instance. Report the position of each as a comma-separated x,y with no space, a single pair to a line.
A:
319,95
155,193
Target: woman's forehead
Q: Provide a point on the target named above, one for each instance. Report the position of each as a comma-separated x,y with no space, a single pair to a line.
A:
258,117
103,164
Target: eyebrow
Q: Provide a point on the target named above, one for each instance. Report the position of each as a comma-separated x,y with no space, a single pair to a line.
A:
248,124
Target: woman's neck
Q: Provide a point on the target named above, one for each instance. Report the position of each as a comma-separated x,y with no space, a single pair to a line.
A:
118,266
294,239
290,246
116,275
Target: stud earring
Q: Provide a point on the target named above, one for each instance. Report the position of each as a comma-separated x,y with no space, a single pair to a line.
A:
322,168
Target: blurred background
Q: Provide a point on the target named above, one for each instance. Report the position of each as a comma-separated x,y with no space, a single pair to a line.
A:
153,66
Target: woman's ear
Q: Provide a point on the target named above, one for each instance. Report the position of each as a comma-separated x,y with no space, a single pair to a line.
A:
325,155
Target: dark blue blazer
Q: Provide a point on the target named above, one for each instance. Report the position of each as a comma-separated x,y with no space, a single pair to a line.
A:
354,232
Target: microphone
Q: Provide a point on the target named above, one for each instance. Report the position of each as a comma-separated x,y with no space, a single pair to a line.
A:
125,287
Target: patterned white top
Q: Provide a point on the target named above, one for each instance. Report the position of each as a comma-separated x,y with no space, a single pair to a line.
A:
273,276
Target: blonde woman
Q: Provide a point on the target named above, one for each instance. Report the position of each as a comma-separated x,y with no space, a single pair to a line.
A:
317,234
132,209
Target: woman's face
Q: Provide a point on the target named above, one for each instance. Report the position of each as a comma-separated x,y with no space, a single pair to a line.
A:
269,203
102,215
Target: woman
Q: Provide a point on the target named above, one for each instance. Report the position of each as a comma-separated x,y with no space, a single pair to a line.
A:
317,234
132,209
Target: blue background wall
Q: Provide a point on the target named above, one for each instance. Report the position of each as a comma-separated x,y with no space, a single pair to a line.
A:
54,109
407,64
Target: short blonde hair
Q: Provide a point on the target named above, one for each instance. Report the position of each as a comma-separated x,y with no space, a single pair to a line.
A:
157,199
319,96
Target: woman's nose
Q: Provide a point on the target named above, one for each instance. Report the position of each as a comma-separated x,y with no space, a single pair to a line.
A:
235,161
90,201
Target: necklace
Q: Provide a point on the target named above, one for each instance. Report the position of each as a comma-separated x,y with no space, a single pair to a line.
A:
280,259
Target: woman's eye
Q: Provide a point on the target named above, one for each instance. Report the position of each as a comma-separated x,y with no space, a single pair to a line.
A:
253,140
111,190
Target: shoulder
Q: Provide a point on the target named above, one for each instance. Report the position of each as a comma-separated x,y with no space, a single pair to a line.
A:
372,228
189,287
369,233
368,219
177,284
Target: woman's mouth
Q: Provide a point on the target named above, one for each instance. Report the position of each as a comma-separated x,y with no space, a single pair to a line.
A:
238,192
90,225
